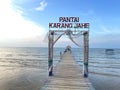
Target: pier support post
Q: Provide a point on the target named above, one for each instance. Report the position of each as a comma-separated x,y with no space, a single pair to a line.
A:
86,52
50,52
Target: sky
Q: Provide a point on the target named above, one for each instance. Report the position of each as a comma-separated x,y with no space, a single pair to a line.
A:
24,23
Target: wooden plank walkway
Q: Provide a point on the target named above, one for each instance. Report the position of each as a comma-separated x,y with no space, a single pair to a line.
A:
67,76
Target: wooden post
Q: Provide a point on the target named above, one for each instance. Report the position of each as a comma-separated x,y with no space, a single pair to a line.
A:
50,51
86,52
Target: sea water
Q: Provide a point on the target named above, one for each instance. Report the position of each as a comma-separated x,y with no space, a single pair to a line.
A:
99,61
104,68
32,64
23,57
23,68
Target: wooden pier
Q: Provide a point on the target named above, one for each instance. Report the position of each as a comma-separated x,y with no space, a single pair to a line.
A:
67,76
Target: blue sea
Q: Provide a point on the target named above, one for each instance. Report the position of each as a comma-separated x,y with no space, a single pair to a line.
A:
29,66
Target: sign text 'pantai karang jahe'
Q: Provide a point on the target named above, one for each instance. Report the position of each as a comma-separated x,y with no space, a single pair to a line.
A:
69,22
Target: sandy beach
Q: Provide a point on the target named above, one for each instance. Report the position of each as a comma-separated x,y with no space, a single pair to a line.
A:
12,78
105,82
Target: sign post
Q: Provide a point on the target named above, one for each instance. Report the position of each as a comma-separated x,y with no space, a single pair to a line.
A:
68,24
50,57
86,52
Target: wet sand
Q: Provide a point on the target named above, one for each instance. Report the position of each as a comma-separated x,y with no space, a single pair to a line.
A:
12,78
105,82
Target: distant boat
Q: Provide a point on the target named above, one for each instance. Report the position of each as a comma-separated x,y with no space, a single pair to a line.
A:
109,51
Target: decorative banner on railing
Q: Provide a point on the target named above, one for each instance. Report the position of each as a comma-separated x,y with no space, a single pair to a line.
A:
69,22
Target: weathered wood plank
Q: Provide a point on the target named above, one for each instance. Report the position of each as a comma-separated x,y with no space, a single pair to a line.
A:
67,76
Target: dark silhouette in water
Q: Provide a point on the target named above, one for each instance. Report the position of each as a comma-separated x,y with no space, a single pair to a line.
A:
109,51
68,48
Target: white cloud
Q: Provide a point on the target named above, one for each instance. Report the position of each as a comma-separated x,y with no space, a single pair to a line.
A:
14,27
42,6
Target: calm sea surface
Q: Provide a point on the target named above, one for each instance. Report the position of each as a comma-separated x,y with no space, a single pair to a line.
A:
100,62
